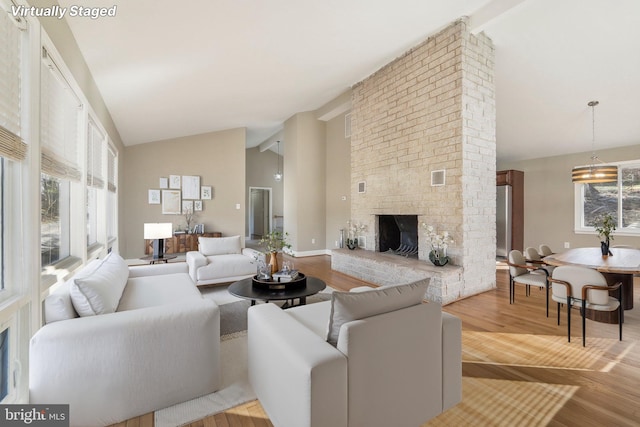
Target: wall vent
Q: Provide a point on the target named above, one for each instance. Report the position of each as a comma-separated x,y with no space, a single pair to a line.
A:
347,125
437,178
362,187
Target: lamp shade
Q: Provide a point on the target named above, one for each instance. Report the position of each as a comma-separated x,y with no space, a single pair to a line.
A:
158,230
594,174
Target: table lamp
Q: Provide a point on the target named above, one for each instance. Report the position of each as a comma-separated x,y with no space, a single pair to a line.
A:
158,231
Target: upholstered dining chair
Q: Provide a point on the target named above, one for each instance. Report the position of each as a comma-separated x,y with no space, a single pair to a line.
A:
521,273
545,250
534,257
584,288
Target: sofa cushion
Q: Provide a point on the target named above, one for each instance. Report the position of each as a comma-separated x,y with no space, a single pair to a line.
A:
58,305
149,291
219,245
348,306
100,291
230,265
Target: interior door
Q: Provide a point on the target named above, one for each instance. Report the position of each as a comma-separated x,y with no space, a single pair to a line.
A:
259,212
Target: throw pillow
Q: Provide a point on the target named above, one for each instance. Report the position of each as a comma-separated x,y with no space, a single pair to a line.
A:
100,292
58,305
209,246
348,306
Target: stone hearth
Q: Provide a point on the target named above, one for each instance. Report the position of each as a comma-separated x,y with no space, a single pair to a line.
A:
445,283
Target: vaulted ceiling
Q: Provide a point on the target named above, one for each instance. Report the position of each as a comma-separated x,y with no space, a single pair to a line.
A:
168,69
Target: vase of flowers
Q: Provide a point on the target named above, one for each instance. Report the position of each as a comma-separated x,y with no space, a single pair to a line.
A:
355,229
605,226
274,242
439,244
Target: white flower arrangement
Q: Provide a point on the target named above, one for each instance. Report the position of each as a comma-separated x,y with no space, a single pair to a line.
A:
355,229
438,242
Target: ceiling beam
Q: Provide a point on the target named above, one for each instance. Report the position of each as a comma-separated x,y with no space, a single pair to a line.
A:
271,141
491,11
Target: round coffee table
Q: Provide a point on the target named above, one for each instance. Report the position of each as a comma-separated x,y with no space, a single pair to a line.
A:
246,290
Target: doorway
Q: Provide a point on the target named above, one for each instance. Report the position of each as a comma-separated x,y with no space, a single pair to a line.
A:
259,212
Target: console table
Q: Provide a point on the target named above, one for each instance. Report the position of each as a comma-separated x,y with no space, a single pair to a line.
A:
179,243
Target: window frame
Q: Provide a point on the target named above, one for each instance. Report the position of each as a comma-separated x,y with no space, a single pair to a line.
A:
580,228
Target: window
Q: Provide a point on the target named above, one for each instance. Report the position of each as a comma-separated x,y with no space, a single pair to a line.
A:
621,199
60,119
95,180
55,219
112,206
4,364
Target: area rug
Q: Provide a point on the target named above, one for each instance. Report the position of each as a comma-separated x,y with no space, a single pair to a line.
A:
545,351
235,389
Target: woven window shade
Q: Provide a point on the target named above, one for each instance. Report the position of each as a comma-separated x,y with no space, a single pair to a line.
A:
11,144
60,117
94,157
111,170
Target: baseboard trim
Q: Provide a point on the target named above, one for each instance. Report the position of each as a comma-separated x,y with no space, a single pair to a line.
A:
303,254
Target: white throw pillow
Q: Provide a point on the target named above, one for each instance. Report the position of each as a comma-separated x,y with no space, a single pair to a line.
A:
58,305
348,306
100,292
209,246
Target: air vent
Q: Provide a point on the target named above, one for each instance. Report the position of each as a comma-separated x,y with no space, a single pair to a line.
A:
347,125
437,178
362,187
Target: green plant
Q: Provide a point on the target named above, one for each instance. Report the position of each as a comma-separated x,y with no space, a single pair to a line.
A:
605,225
275,241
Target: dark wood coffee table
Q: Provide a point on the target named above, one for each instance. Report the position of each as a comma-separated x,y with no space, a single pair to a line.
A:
245,289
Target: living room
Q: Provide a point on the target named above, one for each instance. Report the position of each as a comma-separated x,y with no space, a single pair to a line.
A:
319,192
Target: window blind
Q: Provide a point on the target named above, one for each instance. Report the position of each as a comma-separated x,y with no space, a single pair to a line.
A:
111,169
95,177
11,144
60,118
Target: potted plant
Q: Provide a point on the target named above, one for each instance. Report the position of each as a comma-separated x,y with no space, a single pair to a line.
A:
274,242
605,225
439,244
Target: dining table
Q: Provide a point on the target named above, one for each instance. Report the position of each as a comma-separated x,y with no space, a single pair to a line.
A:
619,267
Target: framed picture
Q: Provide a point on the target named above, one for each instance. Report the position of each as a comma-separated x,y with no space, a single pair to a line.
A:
174,182
205,192
197,205
190,187
187,206
164,183
154,197
171,202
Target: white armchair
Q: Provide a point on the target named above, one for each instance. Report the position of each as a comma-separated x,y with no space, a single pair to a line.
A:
221,260
401,367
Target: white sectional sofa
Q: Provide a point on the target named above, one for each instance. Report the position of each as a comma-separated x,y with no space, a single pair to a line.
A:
221,260
386,359
119,342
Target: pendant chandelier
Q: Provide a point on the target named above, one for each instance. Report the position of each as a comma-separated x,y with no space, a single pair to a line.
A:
594,173
278,175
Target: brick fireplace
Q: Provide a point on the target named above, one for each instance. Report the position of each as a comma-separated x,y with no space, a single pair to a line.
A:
431,110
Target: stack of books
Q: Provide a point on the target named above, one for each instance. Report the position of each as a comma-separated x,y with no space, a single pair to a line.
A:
285,276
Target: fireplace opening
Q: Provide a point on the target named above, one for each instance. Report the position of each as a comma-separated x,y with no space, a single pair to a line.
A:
398,234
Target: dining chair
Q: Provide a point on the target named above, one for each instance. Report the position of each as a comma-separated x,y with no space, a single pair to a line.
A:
534,257
584,288
521,273
545,250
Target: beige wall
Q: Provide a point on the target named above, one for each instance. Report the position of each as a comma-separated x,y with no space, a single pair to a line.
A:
260,170
218,158
305,182
338,172
549,199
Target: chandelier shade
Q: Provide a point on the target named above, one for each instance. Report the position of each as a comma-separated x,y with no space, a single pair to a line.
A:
594,173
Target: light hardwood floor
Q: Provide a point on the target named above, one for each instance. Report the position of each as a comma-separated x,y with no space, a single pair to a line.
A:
604,397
